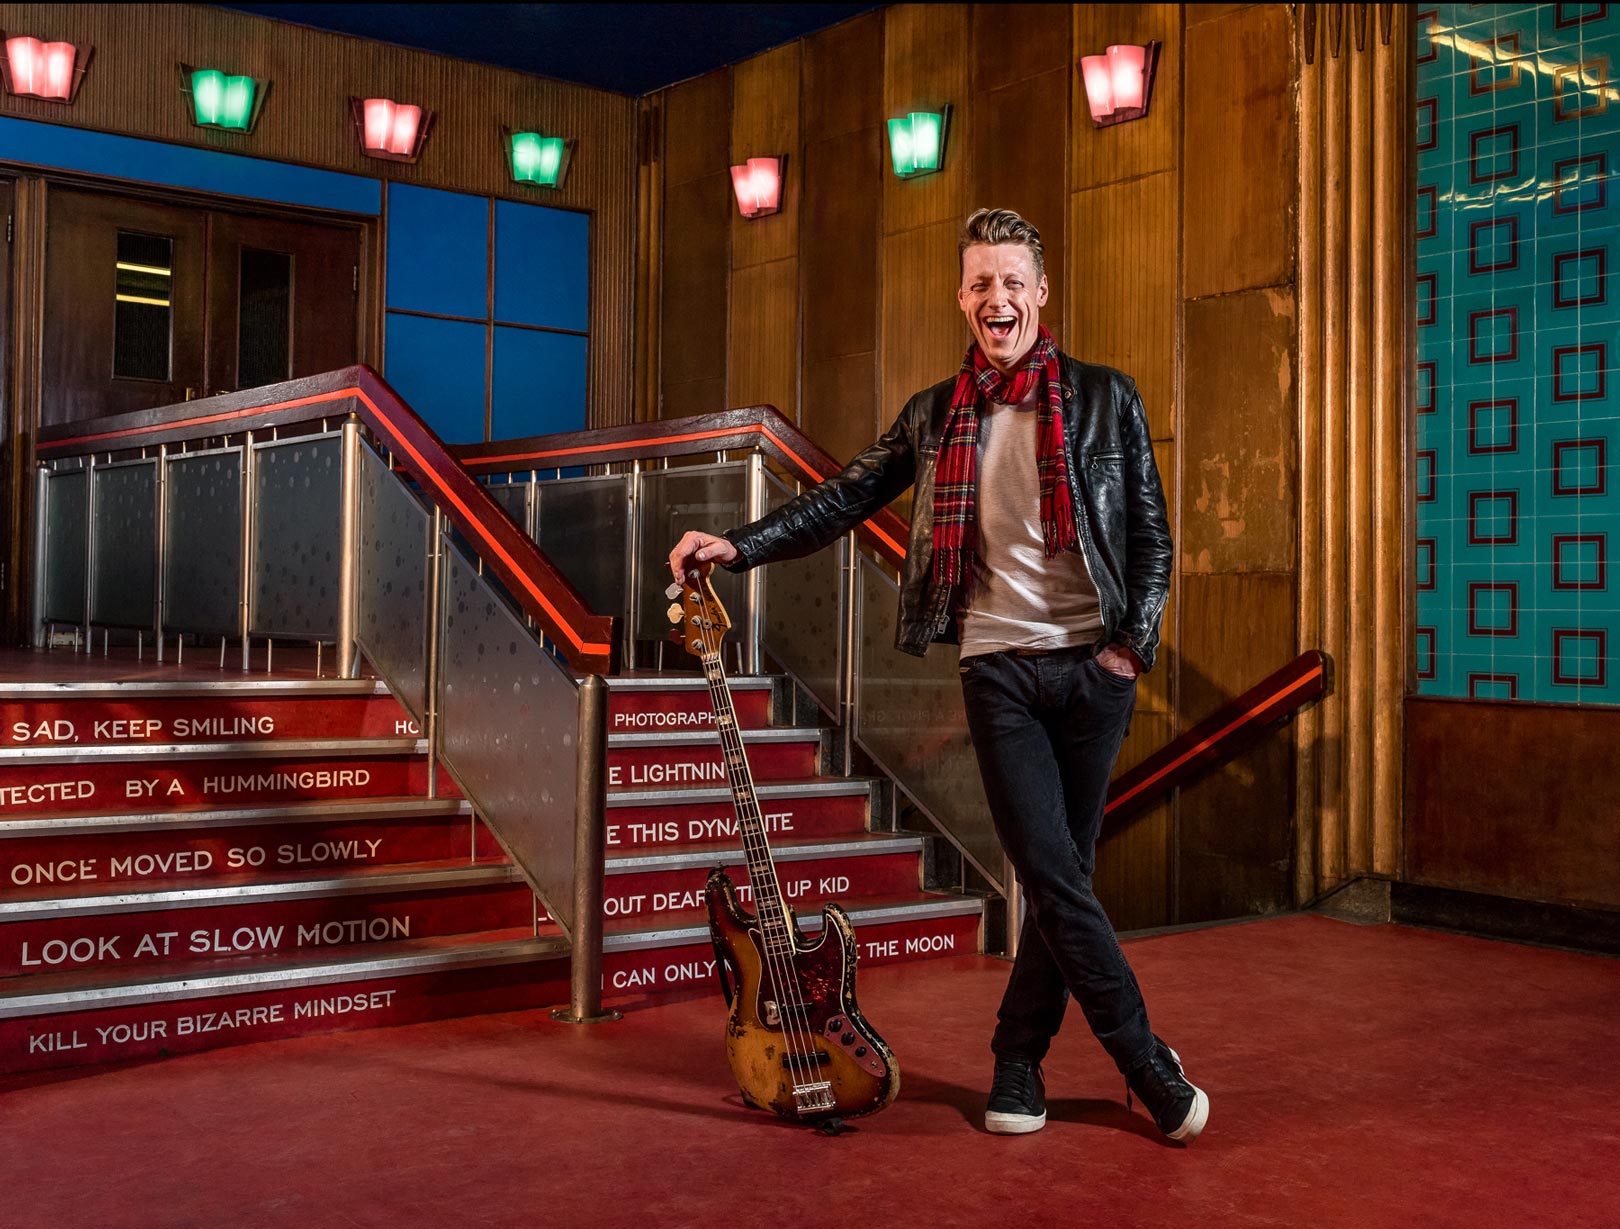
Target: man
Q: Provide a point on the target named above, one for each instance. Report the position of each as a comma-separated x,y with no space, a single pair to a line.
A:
1040,543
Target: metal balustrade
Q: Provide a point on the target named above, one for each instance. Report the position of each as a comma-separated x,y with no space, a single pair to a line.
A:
359,531
437,578
826,620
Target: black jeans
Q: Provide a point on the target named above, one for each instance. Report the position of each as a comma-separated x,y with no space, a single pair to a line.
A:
1046,729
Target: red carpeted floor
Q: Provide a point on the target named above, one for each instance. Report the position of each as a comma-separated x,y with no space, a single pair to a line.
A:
1364,1076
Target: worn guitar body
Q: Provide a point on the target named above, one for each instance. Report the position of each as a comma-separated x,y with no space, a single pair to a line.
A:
831,1042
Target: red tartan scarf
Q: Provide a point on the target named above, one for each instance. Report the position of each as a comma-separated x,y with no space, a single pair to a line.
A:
956,474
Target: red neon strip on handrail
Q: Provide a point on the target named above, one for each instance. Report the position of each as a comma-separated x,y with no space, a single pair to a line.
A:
517,571
203,420
1206,743
662,439
811,470
746,429
337,395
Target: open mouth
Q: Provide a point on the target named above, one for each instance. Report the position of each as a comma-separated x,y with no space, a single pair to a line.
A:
1000,327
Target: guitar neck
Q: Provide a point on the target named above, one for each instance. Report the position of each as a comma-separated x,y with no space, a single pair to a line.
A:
768,903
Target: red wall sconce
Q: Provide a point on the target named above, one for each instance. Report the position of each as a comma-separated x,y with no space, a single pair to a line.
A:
758,186
1119,84
37,69
392,130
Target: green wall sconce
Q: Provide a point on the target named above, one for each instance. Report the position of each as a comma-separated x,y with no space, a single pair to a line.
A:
917,142
539,159
222,100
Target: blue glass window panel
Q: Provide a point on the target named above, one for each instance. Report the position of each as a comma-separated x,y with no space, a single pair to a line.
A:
182,166
542,266
539,383
438,252
438,367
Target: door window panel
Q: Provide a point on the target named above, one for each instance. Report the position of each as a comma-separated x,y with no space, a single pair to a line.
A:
264,319
144,310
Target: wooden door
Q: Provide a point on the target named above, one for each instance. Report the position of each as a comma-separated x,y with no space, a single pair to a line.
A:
125,287
283,300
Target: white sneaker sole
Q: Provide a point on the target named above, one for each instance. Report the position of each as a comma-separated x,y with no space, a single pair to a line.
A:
1198,1115
1013,1124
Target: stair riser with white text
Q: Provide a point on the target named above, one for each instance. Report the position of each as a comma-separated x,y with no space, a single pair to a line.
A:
184,867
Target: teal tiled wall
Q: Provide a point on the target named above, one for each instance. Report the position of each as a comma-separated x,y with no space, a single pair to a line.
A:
1518,398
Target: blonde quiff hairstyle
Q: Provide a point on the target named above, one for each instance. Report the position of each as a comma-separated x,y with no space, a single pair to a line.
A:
1001,226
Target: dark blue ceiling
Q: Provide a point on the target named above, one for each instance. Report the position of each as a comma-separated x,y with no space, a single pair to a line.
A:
628,48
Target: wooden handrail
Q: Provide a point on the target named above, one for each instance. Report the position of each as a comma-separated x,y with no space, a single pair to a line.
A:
751,426
585,638
1222,735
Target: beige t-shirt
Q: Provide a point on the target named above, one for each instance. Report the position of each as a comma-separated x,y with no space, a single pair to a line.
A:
1020,599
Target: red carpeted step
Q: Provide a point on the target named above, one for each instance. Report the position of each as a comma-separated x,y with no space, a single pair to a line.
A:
666,818
137,714
175,924
886,932
108,853
644,760
184,777
651,887
649,705
63,1021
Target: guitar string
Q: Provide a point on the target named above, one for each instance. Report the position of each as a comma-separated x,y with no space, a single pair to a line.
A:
766,891
789,1010
766,887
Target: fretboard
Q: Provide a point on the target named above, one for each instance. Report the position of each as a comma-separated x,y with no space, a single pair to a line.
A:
750,825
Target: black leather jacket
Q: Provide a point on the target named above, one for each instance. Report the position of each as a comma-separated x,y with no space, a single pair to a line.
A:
1119,505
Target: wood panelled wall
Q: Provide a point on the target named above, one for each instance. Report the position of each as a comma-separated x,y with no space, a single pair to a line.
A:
1170,247
1239,479
133,88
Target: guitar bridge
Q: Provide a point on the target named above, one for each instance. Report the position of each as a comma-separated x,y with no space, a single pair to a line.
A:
814,1098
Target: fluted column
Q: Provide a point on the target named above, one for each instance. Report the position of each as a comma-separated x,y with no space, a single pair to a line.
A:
1355,104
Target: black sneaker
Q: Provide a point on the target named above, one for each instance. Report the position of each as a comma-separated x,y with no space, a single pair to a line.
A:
1178,1107
1017,1098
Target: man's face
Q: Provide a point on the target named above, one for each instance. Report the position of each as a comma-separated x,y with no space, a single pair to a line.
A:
1002,297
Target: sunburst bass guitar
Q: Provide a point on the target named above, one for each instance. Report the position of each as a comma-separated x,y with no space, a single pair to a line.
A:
795,1037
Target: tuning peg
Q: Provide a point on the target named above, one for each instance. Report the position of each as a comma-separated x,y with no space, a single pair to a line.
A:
674,591
674,612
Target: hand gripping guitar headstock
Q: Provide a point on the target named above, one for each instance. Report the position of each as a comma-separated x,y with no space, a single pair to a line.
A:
700,620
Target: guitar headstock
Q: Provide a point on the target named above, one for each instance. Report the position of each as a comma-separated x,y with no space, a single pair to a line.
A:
700,619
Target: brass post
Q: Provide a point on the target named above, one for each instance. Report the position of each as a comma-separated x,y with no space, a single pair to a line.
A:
754,580
590,860
245,594
160,548
435,634
38,635
349,558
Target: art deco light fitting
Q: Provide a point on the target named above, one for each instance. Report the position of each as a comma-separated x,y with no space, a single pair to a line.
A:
1119,83
758,186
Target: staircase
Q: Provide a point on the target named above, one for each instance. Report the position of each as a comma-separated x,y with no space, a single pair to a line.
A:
190,861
